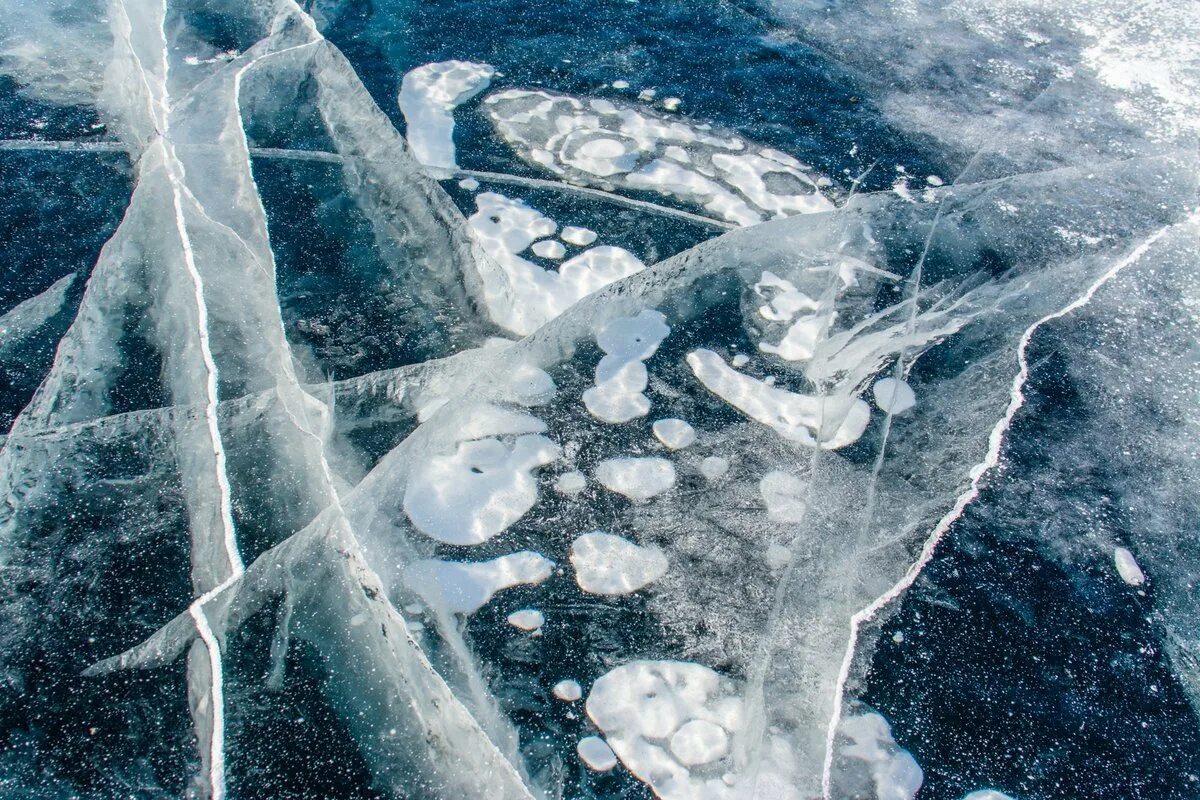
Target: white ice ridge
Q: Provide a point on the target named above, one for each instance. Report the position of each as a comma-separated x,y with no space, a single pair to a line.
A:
893,396
610,565
827,422
893,771
606,144
675,434
567,690
519,295
527,619
1127,567
596,753
621,376
428,96
636,478
465,587
27,316
990,460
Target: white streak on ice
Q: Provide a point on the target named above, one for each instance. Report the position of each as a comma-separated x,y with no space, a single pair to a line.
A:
990,461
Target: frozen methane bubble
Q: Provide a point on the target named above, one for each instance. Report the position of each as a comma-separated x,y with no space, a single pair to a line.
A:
596,753
714,467
567,690
986,794
893,396
478,491
649,710
675,434
873,754
527,619
519,295
580,237
428,96
548,248
465,587
783,494
605,143
636,478
1127,567
570,483
827,422
621,376
611,565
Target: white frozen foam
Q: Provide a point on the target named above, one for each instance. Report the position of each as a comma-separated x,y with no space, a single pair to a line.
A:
527,619
828,422
471,495
570,483
636,478
593,750
1127,567
783,494
609,565
521,296
893,395
465,587
568,690
428,96
581,237
548,248
621,376
675,434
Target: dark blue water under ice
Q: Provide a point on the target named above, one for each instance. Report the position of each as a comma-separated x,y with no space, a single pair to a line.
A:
1012,670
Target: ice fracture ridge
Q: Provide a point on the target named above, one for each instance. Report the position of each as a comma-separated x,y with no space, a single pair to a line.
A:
990,461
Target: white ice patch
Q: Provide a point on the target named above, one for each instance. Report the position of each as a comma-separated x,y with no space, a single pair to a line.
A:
1127,567
828,422
783,303
527,619
596,753
428,96
607,144
521,296
478,491
621,376
465,587
670,724
580,237
567,690
570,483
548,248
470,184
894,771
609,565
636,478
783,494
894,396
675,434
987,794
714,467
741,360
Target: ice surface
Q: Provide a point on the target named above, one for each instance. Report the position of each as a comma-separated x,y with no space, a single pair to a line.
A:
265,530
